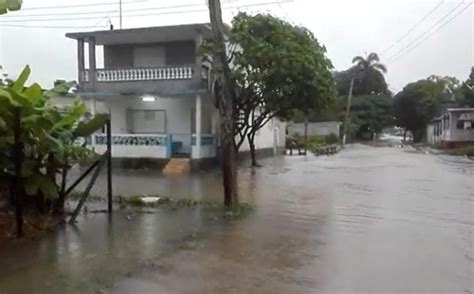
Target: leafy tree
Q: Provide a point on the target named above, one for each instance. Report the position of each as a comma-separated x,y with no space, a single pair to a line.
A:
466,97
369,77
371,113
278,68
417,104
9,5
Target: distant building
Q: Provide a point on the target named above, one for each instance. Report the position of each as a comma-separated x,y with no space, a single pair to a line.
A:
315,128
452,129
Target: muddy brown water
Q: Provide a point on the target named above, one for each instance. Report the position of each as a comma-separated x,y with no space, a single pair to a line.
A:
367,220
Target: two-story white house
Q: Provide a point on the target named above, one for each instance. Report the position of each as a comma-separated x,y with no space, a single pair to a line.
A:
157,92
454,128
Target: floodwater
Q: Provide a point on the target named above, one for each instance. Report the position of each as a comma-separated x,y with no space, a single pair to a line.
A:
366,220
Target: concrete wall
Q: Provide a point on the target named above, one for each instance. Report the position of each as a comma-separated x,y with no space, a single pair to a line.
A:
123,151
177,112
149,55
118,56
266,137
315,128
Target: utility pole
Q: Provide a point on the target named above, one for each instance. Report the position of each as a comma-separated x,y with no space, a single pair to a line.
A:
226,104
120,9
348,109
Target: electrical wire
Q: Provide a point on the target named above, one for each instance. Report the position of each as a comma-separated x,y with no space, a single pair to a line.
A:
9,23
430,35
412,28
427,31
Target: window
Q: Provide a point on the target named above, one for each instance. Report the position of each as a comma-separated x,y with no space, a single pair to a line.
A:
151,121
460,125
150,114
467,124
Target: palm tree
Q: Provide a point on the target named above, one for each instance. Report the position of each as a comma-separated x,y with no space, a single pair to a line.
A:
370,75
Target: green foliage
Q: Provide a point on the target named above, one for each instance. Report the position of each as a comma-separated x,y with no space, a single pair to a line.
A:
9,5
463,151
466,92
277,68
419,102
372,113
48,134
368,76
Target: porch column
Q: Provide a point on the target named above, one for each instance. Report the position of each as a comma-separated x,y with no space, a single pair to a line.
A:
92,112
198,125
80,60
92,64
198,62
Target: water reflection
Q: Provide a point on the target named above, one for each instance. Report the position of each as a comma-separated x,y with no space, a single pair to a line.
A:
365,220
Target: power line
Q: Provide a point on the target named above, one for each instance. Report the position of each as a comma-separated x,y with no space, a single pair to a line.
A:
7,18
427,31
50,27
140,15
432,34
413,27
80,5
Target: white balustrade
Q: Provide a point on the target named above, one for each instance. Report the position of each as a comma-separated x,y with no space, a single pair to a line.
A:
141,74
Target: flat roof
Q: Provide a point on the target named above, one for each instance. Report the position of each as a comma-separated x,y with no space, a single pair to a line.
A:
146,34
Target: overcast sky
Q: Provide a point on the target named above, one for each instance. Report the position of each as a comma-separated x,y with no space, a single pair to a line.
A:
346,27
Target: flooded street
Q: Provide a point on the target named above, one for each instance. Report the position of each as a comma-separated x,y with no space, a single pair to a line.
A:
369,219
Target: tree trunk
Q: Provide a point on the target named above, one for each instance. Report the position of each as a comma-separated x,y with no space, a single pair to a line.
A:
253,156
226,105
17,182
59,207
405,135
305,135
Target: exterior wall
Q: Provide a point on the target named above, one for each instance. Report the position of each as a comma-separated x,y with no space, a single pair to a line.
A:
266,136
149,55
208,147
177,116
134,146
450,131
158,87
118,56
459,135
315,128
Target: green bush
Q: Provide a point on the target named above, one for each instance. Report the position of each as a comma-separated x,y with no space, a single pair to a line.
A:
467,150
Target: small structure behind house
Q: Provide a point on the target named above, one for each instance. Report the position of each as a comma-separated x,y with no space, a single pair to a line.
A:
315,129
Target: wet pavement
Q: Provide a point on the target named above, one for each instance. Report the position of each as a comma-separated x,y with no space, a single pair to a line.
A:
369,219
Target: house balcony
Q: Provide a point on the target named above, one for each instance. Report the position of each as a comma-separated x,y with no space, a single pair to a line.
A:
168,80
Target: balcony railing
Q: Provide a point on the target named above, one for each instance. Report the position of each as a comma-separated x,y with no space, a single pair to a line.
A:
141,74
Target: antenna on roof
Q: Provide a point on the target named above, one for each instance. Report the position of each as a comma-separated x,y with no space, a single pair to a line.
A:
120,8
111,25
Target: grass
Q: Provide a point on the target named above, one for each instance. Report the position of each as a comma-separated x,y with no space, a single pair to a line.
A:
168,203
462,151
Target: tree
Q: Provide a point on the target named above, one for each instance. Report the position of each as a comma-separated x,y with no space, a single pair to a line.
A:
9,5
225,95
466,97
38,142
417,104
278,68
368,74
371,113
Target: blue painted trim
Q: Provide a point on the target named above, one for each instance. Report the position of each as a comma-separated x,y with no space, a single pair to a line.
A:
205,140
